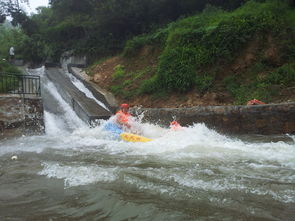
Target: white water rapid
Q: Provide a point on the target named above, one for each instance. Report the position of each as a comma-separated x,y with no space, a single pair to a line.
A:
82,173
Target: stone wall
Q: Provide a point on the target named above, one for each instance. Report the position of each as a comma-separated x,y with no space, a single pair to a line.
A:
21,116
69,57
255,119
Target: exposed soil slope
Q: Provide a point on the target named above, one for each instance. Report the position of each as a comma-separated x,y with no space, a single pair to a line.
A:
147,57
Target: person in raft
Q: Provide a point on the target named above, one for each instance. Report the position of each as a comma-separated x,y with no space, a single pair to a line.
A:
255,102
174,125
123,117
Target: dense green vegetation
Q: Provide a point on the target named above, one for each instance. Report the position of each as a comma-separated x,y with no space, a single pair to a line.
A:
26,48
6,67
7,84
197,48
98,27
200,42
9,36
262,87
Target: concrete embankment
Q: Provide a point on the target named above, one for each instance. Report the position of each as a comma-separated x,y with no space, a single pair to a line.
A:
21,116
256,119
100,94
86,108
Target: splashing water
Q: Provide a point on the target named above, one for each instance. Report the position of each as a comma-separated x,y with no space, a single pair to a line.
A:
77,172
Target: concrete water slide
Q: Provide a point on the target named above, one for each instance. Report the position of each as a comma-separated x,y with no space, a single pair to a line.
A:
86,108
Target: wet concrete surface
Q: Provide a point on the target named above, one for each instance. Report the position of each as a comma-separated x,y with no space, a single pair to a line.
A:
86,108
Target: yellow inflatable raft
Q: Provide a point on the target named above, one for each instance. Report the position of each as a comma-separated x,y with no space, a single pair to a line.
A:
134,138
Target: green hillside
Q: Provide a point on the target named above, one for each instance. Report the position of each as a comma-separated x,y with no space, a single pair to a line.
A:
166,52
246,53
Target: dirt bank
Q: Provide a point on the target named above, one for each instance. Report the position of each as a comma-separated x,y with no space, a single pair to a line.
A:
143,66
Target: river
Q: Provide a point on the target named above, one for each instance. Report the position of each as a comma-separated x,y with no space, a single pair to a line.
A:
74,172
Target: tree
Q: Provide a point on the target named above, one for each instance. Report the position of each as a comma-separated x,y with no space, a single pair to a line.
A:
12,8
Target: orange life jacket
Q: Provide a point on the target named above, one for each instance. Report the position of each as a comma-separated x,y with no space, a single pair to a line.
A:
122,117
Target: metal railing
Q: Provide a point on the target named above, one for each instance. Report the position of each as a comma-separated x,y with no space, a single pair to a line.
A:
20,84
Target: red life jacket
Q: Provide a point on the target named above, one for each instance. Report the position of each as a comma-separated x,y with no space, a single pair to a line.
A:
254,102
174,125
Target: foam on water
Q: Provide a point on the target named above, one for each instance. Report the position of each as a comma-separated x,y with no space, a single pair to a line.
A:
214,177
190,143
78,175
194,162
198,144
292,136
199,141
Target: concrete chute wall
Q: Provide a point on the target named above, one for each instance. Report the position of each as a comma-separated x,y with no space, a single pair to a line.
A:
87,109
254,119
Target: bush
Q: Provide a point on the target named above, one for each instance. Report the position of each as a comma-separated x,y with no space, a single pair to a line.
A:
211,38
177,69
6,67
116,89
9,83
34,49
263,89
132,46
205,82
128,94
126,83
10,36
258,90
231,83
119,72
284,75
149,86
